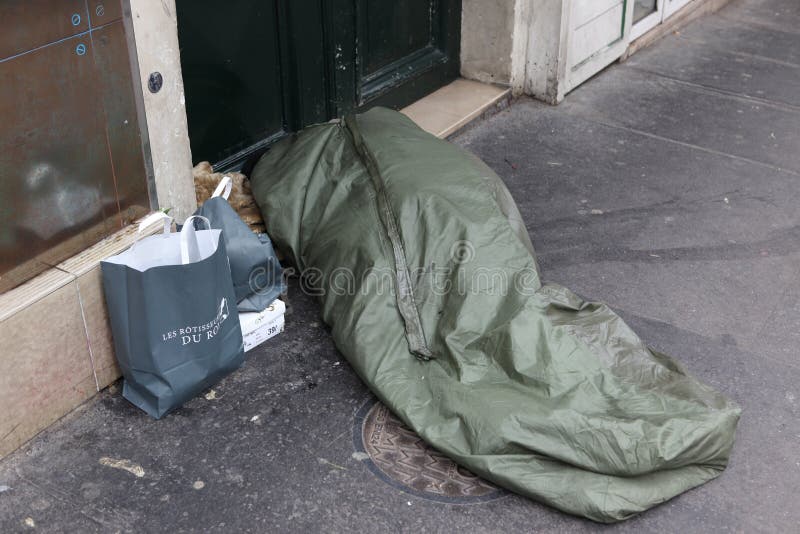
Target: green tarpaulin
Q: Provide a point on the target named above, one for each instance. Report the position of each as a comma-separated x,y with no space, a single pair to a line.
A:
430,285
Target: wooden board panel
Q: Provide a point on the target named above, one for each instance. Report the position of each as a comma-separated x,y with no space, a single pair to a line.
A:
123,134
55,165
28,24
71,155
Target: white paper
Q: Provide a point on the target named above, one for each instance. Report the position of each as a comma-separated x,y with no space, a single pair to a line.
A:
257,327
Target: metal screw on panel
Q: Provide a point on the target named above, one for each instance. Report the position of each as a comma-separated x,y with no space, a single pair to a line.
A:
100,10
80,49
76,19
155,82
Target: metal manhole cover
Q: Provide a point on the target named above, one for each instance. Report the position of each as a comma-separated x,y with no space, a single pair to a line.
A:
400,457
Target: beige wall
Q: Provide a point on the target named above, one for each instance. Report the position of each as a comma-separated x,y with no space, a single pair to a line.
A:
153,25
518,43
55,339
545,48
486,40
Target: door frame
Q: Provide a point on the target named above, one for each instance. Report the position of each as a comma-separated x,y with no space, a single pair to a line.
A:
582,71
650,21
673,6
664,10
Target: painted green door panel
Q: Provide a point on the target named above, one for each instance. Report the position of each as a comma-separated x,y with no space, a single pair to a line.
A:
393,30
231,64
393,53
254,71
401,41
305,62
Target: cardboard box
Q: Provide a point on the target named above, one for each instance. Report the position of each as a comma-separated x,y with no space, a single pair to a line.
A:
257,327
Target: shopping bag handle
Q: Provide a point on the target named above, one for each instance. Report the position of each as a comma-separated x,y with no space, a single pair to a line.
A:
224,188
190,250
153,218
149,221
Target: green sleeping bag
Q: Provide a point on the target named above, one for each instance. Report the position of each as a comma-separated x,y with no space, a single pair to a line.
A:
430,285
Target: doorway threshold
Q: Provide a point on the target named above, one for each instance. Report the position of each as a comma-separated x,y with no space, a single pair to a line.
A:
449,109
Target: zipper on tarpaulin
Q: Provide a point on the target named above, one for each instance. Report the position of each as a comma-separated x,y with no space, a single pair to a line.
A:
406,303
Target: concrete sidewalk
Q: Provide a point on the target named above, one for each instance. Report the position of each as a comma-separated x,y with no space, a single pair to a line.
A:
668,187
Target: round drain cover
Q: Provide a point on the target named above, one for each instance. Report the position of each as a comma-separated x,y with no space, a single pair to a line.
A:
401,458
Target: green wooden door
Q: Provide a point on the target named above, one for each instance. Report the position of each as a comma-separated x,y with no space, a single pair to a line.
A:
255,71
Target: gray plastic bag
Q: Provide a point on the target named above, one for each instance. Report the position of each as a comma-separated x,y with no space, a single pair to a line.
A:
256,271
170,300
